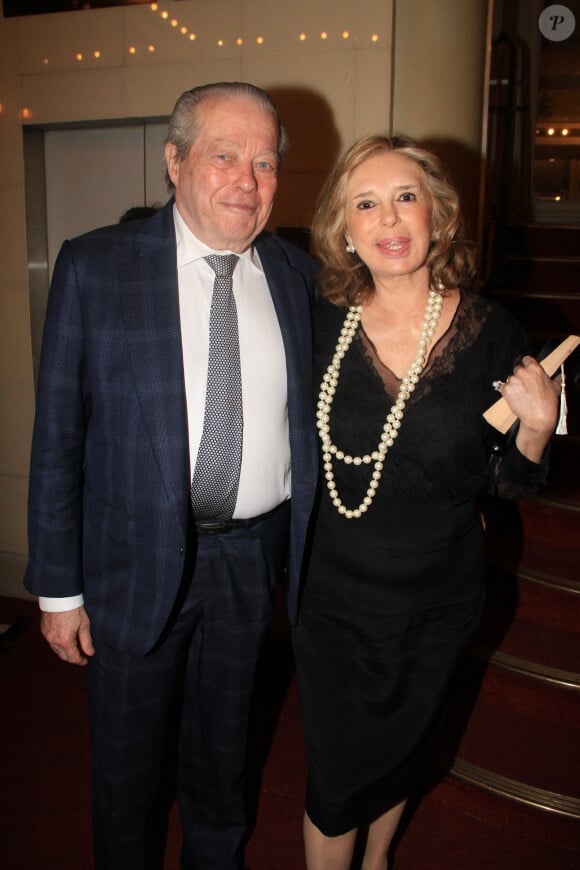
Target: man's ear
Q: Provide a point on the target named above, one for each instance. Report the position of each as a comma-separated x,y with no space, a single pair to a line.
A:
172,162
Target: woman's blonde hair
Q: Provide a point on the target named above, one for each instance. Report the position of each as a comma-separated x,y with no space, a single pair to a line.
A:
344,278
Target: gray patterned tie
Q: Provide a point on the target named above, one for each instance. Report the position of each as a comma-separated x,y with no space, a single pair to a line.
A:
214,487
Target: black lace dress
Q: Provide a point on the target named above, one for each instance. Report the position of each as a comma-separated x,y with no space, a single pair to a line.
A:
391,599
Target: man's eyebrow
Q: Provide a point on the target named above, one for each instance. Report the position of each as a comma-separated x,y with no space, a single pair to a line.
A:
219,143
231,143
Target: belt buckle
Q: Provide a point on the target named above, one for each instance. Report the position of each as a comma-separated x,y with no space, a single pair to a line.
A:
211,527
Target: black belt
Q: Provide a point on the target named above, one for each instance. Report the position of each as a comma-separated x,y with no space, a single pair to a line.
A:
212,527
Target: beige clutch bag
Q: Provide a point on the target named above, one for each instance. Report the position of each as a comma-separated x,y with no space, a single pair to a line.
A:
499,414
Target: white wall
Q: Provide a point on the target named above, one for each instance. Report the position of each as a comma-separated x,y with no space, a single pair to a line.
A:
93,176
439,81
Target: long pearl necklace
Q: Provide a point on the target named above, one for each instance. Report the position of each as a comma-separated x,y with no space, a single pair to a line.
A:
393,421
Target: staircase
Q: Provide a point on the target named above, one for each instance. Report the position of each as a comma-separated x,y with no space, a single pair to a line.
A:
512,746
539,279
514,725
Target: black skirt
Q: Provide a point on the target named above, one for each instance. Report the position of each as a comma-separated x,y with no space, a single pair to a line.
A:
384,621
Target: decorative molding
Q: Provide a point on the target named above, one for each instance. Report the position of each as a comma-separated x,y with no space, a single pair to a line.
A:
560,502
522,793
533,670
561,584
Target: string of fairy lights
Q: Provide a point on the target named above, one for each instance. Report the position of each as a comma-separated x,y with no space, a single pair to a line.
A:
191,35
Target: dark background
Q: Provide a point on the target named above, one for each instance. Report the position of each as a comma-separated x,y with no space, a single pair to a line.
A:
13,8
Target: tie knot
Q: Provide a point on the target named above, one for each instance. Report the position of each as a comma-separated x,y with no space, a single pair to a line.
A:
222,264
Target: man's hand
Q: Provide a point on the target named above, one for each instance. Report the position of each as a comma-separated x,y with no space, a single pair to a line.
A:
69,634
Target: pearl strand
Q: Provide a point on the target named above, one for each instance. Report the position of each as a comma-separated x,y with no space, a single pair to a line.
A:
394,417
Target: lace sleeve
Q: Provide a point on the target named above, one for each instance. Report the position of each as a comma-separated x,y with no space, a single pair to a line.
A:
513,476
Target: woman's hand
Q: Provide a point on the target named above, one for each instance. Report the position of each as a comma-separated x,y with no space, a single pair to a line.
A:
534,398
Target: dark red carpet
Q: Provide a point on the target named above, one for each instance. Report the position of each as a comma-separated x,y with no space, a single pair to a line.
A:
45,798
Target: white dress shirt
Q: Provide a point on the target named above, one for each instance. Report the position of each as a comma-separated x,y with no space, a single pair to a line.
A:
265,469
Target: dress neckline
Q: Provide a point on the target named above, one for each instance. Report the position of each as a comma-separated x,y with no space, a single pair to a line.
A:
385,372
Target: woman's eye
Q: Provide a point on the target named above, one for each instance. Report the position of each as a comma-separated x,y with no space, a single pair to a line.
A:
408,197
365,204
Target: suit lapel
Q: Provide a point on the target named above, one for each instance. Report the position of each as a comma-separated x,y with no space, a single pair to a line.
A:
290,294
150,304
286,283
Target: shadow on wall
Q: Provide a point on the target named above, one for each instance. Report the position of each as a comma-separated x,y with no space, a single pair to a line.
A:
315,146
464,168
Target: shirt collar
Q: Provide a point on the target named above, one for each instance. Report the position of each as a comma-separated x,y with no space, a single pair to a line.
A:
190,248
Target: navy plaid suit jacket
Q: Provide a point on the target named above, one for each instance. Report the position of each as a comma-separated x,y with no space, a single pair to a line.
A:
109,512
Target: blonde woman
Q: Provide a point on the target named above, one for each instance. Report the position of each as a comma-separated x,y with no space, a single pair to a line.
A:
407,359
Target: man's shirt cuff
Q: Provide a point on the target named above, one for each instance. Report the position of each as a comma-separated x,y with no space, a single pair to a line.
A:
58,605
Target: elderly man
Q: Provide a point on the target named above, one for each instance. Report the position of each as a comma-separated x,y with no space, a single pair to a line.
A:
173,473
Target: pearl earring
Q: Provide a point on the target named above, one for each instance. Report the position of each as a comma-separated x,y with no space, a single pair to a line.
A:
350,248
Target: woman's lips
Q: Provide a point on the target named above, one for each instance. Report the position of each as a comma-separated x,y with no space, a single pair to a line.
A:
395,245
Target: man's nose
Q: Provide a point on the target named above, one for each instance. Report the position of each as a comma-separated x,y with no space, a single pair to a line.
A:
246,178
